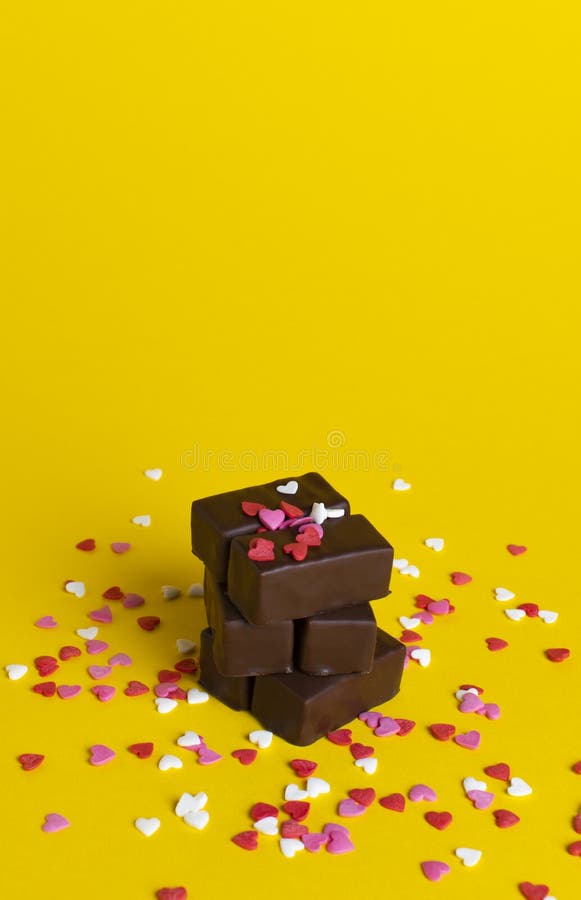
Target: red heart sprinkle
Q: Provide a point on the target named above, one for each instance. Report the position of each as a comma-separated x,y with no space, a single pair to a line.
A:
87,545
575,848
396,802
135,688
262,810
251,509
291,512
113,593
576,767
442,731
246,756
68,652
143,751
459,578
297,551
167,676
365,796
516,549
558,654
342,737
292,829
422,601
577,824
533,891
46,688
187,666
499,770
361,751
261,550
309,536
531,609
303,767
177,893
248,840
148,623
405,726
466,687
46,665
504,818
410,637
439,820
496,643
30,761
177,693
297,809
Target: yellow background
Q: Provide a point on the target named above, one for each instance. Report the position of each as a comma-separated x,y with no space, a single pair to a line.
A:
244,227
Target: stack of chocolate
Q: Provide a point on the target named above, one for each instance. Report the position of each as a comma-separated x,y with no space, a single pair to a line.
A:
289,576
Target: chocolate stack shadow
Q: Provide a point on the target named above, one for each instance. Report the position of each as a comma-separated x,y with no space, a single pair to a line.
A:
289,579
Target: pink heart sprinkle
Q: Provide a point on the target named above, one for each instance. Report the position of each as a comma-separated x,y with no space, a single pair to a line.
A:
271,518
100,754
339,843
470,740
94,647
104,692
314,841
480,799
132,601
471,703
120,547
46,622
387,726
66,691
120,659
318,528
350,808
422,792
492,710
516,549
165,689
370,718
330,827
54,822
460,578
206,756
433,869
103,615
424,616
98,672
439,607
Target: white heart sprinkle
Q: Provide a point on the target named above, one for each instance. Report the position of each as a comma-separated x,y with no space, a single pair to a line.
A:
268,825
400,564
75,587
436,544
168,761
190,803
369,764
144,521
198,819
422,655
88,634
335,513
184,645
518,788
290,846
147,826
262,739
197,696
316,786
515,614
189,739
15,671
196,590
410,570
503,594
472,784
165,704
318,513
291,487
548,616
408,623
468,856
154,474
460,694
294,792
400,485
170,592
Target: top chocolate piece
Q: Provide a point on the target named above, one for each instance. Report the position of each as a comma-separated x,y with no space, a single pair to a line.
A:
217,520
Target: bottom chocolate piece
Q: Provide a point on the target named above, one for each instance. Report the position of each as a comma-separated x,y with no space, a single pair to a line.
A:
336,642
234,692
302,708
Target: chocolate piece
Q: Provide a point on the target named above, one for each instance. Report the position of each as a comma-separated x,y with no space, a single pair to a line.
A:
352,565
218,519
302,708
241,648
336,642
234,692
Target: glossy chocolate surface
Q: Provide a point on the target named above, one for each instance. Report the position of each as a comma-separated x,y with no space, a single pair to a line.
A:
242,649
302,708
336,642
216,520
234,692
352,565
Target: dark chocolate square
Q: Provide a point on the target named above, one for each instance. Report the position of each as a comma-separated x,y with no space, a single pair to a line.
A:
234,692
336,642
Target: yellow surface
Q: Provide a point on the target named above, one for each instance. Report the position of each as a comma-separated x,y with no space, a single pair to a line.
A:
240,231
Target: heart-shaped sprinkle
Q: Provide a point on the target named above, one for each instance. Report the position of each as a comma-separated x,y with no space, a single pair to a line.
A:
16,671
400,485
422,655
533,891
342,737
368,764
190,803
165,705
491,710
290,511
262,738
135,689
422,792
576,767
494,643
98,672
67,691
196,590
435,543
206,756
76,588
531,609
148,623
361,751
169,761
103,692
262,810
501,771
395,802
54,822
471,784
515,615
480,799
95,647
45,688
548,616
245,757
371,718
120,659
470,740
349,808
468,855
291,487
251,509
400,564
197,820
46,622
410,570
175,893
364,796
504,818
317,786
294,792
87,545
291,829
470,703
518,788
247,840
297,809
434,870
574,849
271,518
68,652
261,550
339,842
516,549
268,825
577,823
46,665
142,751
558,654
386,727
143,520
290,846
189,739
296,550
314,841
101,755
196,696
184,645
88,634
113,593
153,475
30,761
309,536
425,617
170,592
103,615
406,622
405,726
132,601
303,767
439,607
503,594
168,676
459,578
147,826
120,547
439,820
442,731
